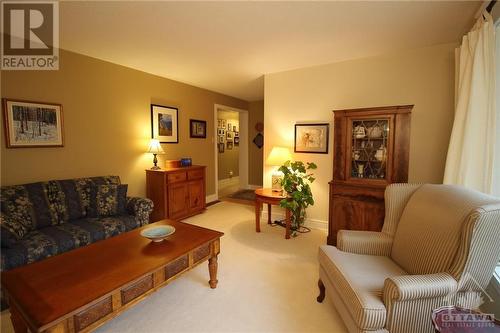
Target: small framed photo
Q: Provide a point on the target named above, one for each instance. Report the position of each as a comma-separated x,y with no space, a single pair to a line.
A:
235,129
221,139
311,138
221,147
32,124
229,126
223,123
229,145
197,129
236,141
219,123
164,123
236,134
221,131
229,135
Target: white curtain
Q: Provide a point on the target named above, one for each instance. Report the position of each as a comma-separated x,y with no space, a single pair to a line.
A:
470,156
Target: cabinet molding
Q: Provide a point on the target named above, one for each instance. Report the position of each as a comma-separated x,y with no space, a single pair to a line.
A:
177,192
357,194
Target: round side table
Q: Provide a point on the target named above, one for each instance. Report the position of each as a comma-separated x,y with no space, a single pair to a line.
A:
270,197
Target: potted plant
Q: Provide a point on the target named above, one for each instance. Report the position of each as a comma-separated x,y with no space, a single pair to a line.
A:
296,183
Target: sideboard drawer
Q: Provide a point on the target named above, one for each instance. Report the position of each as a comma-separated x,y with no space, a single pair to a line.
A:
176,177
196,174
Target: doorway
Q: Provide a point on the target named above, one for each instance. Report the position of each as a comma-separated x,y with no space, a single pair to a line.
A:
231,150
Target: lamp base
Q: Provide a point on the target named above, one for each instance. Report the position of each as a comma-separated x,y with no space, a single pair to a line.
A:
155,168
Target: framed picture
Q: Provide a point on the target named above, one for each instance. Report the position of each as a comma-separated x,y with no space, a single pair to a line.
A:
221,131
229,135
236,141
221,147
197,129
223,123
164,123
311,138
235,129
221,139
229,145
236,134
32,124
229,127
219,123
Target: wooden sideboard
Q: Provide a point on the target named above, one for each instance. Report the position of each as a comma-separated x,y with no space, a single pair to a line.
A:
371,151
177,192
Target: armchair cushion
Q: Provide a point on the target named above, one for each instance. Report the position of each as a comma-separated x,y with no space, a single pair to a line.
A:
359,280
364,242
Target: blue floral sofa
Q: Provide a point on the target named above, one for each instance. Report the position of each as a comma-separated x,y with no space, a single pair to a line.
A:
44,219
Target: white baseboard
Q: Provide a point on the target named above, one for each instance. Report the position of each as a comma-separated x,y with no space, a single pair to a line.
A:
253,187
211,197
310,223
228,182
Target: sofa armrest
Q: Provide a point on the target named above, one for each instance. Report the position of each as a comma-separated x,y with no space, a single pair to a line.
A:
364,242
141,208
407,287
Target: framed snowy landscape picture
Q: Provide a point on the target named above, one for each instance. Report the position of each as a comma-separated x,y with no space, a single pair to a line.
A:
32,124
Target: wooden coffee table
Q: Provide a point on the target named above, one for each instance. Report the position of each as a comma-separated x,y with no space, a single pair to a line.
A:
267,195
81,289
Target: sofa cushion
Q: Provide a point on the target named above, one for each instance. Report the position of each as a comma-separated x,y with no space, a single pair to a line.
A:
11,230
15,203
49,241
359,279
108,200
430,227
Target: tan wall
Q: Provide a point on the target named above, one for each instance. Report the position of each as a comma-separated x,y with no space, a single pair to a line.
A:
255,155
229,159
107,123
423,77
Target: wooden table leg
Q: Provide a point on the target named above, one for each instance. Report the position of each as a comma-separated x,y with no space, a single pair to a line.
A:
212,269
268,213
258,205
16,319
287,222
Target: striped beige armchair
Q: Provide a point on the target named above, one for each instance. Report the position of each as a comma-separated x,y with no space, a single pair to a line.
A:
439,246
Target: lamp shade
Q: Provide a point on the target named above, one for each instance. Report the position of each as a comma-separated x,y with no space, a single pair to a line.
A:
278,156
155,147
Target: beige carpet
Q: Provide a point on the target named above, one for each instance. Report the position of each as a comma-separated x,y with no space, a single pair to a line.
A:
266,284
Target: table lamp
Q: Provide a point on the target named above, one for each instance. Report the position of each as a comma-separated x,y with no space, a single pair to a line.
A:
277,157
155,148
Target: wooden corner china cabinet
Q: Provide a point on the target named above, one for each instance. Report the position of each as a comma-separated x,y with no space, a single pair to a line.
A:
371,151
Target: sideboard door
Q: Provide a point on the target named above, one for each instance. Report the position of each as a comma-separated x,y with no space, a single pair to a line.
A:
196,195
178,196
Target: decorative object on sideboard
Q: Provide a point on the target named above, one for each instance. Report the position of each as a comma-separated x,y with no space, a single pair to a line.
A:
155,149
186,162
311,138
172,164
32,124
197,129
278,157
258,140
164,123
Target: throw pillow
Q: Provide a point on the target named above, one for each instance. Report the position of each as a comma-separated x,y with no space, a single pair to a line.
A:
107,200
11,231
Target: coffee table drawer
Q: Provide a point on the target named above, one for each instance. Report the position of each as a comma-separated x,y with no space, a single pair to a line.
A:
201,253
137,289
176,177
89,316
176,266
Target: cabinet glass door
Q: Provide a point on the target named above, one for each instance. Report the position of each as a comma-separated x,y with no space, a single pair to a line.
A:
369,148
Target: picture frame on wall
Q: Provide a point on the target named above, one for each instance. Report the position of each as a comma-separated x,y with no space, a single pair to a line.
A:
229,145
221,139
219,123
30,124
221,147
311,138
229,135
236,141
221,131
197,129
223,123
236,134
164,123
229,127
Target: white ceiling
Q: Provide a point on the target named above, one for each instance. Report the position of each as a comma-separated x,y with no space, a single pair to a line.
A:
228,46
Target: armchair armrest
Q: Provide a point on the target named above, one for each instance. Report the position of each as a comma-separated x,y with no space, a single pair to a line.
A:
140,208
364,242
406,287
